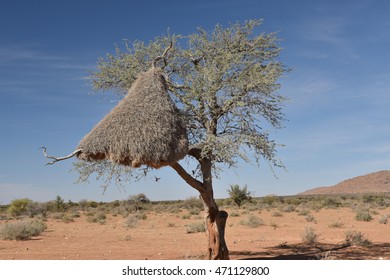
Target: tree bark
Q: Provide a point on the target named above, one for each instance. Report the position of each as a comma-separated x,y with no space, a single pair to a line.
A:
215,222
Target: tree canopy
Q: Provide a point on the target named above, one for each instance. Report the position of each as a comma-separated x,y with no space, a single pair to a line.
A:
224,82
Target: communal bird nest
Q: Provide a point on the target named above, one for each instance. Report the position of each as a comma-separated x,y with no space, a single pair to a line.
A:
144,128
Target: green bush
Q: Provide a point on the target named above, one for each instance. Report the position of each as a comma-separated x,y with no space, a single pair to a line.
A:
19,207
22,230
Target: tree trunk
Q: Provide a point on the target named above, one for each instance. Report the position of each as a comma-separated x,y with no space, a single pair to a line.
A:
215,222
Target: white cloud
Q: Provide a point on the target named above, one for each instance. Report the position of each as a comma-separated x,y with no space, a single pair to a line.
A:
326,29
14,53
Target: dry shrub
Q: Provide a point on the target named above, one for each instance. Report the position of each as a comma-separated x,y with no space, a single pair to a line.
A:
336,224
22,229
363,216
196,227
309,236
356,238
252,221
98,217
131,221
383,219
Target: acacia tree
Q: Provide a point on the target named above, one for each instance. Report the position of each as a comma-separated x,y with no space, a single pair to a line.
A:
225,84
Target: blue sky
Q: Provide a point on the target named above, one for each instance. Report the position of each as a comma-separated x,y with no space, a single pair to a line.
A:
339,90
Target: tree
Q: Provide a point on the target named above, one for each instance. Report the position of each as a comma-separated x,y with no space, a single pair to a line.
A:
225,84
238,194
59,203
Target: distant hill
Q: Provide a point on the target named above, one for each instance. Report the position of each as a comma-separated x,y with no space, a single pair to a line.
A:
376,182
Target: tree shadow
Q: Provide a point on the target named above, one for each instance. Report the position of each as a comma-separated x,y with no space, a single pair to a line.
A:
320,251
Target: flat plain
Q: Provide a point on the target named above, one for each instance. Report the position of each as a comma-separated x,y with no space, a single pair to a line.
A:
264,229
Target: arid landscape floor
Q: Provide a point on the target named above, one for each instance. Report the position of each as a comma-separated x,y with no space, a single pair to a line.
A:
164,236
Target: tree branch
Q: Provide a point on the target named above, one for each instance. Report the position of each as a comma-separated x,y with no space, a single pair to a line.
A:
55,159
196,151
163,55
187,177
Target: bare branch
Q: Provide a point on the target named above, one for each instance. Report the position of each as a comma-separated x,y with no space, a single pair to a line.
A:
163,55
55,159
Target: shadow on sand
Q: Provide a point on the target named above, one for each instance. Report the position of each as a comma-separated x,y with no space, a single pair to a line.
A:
319,251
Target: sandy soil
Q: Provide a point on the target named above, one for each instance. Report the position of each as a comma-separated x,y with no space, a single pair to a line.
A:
163,236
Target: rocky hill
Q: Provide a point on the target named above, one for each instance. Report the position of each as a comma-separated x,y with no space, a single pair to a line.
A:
371,183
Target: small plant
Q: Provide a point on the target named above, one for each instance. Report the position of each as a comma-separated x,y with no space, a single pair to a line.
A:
252,221
194,212
303,212
356,238
288,208
274,225
336,224
98,217
75,214
57,216
310,218
131,221
363,216
328,255
383,219
67,218
234,214
277,214
171,225
309,236
22,230
127,238
196,227
186,216
141,216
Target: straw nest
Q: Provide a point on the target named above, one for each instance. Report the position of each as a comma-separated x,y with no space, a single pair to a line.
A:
144,128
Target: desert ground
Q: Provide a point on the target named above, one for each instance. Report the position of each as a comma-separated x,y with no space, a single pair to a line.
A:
271,233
